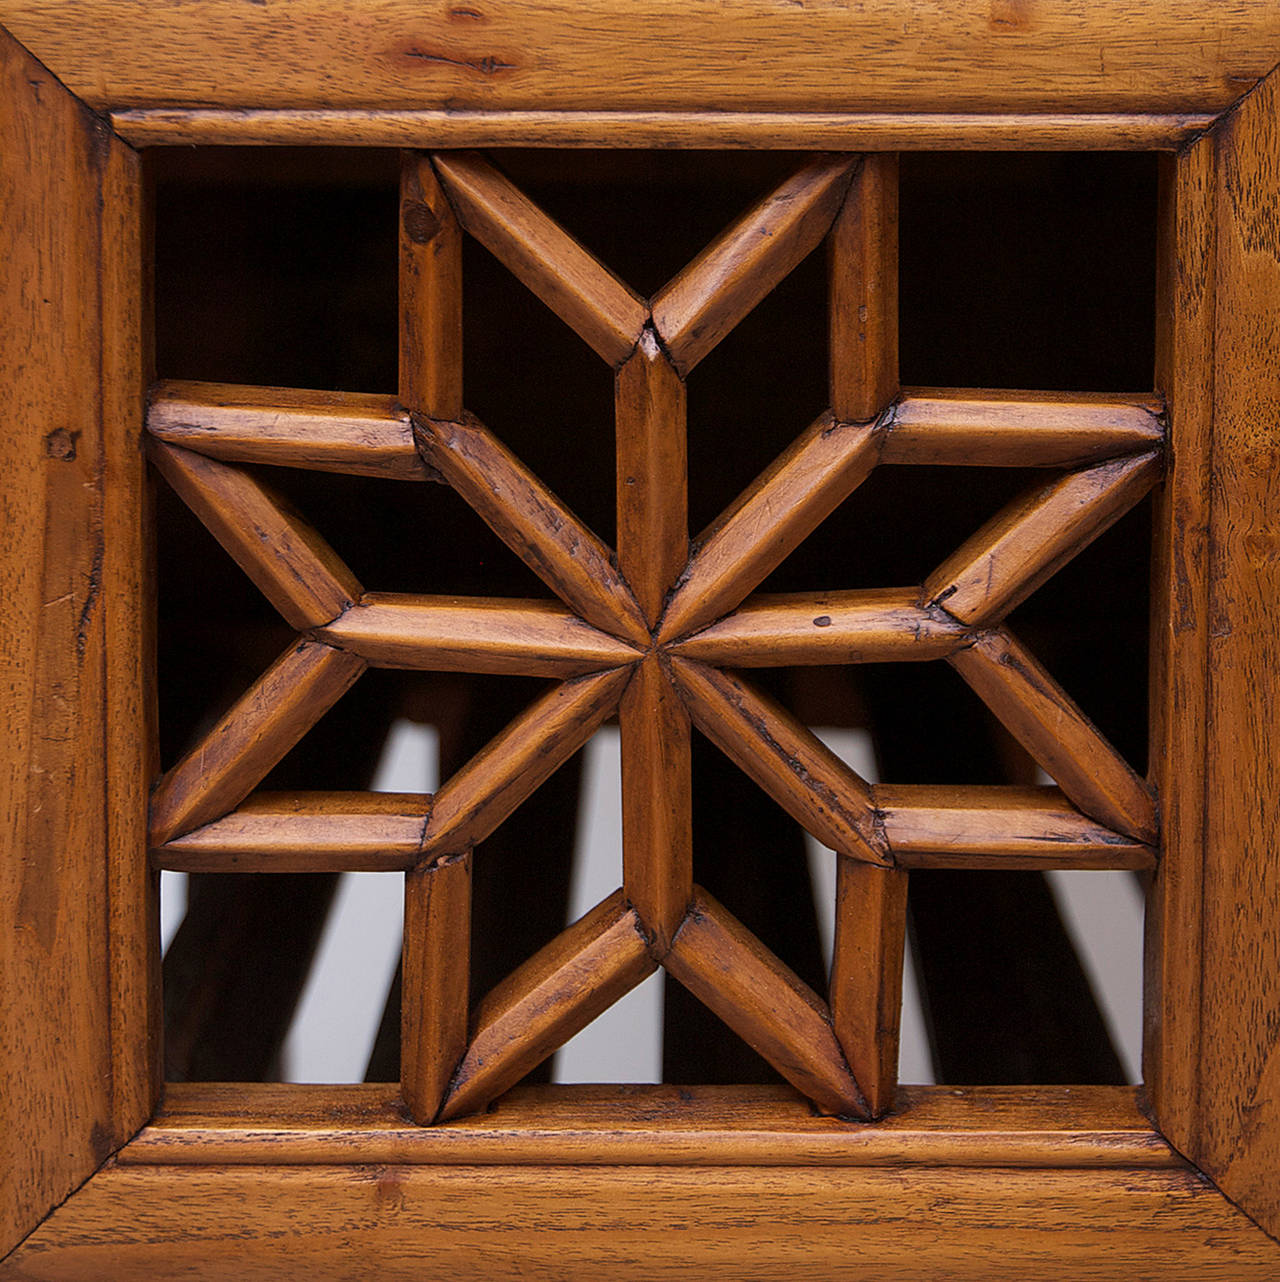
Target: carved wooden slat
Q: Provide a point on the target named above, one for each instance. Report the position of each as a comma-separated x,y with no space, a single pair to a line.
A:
606,314
557,992
437,973
496,780
1043,718
781,508
288,427
724,966
799,771
430,292
714,292
874,625
863,302
474,634
305,832
930,826
231,759
1019,429
293,567
1006,560
866,975
533,523
652,498
657,823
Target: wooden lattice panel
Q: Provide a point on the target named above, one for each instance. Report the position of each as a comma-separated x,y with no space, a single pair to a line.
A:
655,631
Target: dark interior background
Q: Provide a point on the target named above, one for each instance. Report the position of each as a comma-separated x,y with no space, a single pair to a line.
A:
278,267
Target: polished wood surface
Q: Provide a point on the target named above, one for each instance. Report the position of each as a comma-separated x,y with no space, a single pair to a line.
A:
1117,56
78,1009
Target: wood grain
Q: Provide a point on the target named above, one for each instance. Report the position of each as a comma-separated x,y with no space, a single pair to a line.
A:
1239,1082
740,267
533,523
430,292
606,314
557,992
1116,56
765,1003
1031,539
800,131
1067,746
652,476
287,427
794,767
863,293
471,804
474,634
978,428
657,803
866,975
231,759
769,520
998,827
1094,1127
287,559
437,975
500,1224
305,832
1173,970
77,1035
873,625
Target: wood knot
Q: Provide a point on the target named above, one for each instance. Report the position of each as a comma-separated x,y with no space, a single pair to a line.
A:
61,444
420,221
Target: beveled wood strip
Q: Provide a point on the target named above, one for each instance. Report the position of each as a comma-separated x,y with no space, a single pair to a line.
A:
557,992
430,292
576,1224
1034,536
985,1126
1238,1096
1065,743
863,292
772,516
360,435
596,55
765,1003
287,559
693,312
437,976
801,131
1173,973
474,634
581,290
305,832
471,804
787,760
652,476
874,625
259,728
998,827
657,818
866,975
533,523
980,428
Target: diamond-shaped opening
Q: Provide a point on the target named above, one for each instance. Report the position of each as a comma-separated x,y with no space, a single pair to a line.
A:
898,526
1088,625
1028,270
757,390
276,266
538,388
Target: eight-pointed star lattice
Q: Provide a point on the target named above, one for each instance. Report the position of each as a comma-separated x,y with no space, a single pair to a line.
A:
656,633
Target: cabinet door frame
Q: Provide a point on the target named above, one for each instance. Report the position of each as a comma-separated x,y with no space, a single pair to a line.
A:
109,1175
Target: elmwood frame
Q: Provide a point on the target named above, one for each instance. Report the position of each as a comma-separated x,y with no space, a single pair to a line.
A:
104,1178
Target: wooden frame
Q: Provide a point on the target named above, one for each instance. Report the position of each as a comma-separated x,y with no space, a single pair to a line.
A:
1182,1180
